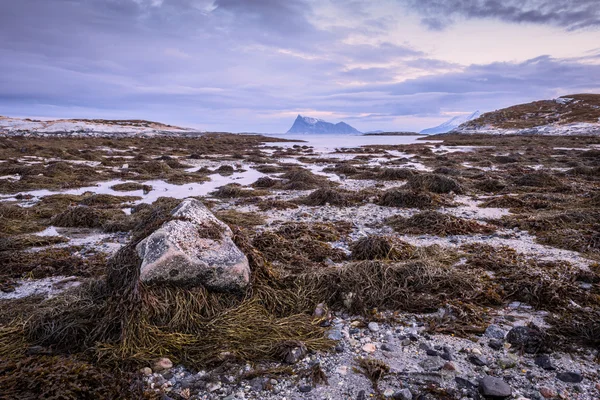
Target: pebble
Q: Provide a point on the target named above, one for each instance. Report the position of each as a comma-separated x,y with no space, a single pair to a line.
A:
369,348
305,388
388,393
495,332
432,364
403,394
162,364
146,371
496,344
478,360
548,393
388,347
543,361
373,326
495,388
570,377
213,386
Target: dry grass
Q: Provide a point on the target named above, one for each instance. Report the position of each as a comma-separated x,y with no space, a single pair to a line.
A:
373,369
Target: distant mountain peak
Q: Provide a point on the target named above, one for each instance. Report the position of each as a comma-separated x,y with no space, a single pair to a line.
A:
452,123
305,124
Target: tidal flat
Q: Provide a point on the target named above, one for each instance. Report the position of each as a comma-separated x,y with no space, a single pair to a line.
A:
383,267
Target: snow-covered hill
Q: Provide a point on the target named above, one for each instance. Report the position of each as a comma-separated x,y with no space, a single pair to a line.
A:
577,114
87,127
313,125
451,124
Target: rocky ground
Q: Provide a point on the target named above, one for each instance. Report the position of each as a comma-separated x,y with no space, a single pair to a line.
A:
517,216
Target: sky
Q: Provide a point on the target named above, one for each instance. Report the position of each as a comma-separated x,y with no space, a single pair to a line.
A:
253,65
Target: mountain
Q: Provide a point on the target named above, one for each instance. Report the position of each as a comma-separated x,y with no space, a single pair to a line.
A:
87,127
451,124
313,125
576,114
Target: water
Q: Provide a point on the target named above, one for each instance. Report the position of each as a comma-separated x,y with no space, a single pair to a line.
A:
325,143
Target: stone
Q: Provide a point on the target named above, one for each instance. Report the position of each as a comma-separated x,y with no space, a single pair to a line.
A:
496,344
480,361
544,361
373,326
570,377
548,393
162,363
465,383
335,333
320,310
213,386
194,249
494,388
388,393
361,395
449,366
388,347
294,355
304,388
495,332
403,394
528,339
146,371
257,384
432,364
369,348
432,352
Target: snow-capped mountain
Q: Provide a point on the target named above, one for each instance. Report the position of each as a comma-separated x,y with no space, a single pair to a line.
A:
313,125
451,124
86,127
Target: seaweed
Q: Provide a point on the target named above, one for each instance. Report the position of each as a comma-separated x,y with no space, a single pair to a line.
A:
436,223
434,183
408,199
374,247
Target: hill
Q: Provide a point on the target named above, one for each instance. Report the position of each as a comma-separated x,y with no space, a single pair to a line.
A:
451,124
577,114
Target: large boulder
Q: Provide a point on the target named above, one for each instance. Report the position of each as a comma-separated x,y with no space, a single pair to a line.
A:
195,248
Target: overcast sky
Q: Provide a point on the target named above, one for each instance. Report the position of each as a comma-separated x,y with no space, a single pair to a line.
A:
253,65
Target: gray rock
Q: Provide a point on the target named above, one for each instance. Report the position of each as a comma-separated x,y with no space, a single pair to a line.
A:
403,394
432,363
496,344
257,384
495,332
373,326
570,377
305,388
388,347
480,361
195,249
335,333
494,388
361,395
543,361
465,383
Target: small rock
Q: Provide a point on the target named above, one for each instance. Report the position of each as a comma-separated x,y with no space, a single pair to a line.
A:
570,377
295,355
432,364
432,353
369,348
354,331
465,383
543,361
388,393
361,395
335,333
496,344
476,351
213,386
162,364
494,388
257,384
480,361
528,339
449,366
304,388
339,348
388,347
506,363
403,394
495,332
548,393
146,371
406,342
373,326
320,310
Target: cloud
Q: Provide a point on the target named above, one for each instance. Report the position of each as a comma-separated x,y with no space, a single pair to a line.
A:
571,15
